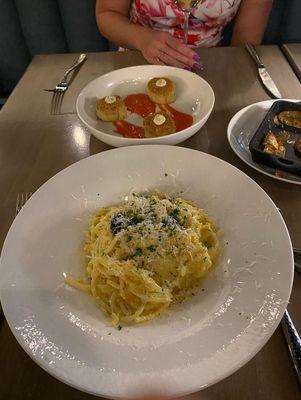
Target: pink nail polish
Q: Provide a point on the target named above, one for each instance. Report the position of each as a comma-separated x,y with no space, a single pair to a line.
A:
196,57
198,66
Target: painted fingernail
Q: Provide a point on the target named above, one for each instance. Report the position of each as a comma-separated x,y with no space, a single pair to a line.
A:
187,68
196,57
198,66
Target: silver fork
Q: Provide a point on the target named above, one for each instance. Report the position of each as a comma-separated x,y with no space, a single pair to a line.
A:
22,198
62,86
290,332
297,259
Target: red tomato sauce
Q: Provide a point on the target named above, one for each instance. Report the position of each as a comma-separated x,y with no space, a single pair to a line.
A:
140,104
128,130
182,120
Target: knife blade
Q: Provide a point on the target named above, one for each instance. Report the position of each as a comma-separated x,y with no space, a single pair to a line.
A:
268,82
264,76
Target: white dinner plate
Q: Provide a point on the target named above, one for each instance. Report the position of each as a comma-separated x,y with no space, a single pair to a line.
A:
242,128
193,96
192,345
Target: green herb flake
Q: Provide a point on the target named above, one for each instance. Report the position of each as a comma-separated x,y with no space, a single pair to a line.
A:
152,248
119,327
175,213
138,252
136,219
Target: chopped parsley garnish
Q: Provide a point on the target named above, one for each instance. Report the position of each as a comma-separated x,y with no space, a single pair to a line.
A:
152,248
138,252
119,327
118,223
176,211
170,222
136,219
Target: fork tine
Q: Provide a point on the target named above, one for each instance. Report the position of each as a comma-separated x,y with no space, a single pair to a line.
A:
57,103
27,196
53,102
60,102
22,198
17,203
57,100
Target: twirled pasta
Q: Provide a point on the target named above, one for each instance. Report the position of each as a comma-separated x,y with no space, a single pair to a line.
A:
145,254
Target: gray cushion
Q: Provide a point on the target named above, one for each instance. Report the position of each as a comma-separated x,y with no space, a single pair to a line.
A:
290,26
273,33
29,27
42,26
14,54
80,26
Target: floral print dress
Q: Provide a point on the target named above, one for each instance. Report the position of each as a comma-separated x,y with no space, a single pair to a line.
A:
207,20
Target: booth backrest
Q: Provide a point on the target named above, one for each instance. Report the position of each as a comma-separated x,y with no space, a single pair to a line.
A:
29,27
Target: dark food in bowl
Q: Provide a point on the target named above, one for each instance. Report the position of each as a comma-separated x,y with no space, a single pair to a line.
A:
289,118
276,142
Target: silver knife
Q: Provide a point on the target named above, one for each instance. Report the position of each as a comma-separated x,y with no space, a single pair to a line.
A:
294,342
264,76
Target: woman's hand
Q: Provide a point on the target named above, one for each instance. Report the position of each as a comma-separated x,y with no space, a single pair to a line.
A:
162,48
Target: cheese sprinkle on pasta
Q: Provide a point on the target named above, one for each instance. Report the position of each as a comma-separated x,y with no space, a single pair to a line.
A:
145,254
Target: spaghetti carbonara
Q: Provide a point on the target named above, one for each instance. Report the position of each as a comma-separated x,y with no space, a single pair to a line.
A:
145,254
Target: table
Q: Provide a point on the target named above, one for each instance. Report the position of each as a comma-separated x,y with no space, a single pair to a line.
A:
293,53
35,145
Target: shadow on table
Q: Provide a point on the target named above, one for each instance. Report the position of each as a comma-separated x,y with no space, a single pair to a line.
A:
97,146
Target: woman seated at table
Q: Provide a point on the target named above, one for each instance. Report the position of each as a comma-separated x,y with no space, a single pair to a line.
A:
155,26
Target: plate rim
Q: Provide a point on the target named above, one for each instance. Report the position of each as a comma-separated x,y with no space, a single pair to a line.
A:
236,117
55,372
